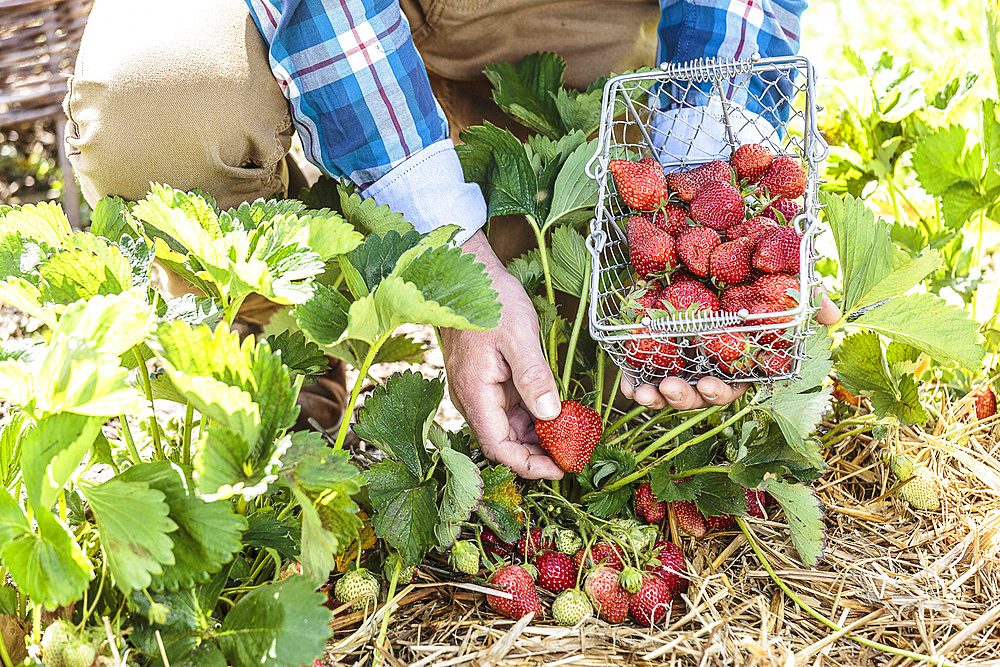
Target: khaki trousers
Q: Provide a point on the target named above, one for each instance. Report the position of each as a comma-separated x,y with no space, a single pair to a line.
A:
181,93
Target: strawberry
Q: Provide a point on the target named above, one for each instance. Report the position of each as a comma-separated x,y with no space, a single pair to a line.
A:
694,246
570,607
644,352
922,489
781,288
78,654
630,579
568,542
651,603
681,275
650,249
406,572
753,228
773,338
668,564
777,250
556,571
647,505
729,263
725,347
571,437
718,205
774,363
782,210
360,587
672,219
720,522
464,557
514,580
785,177
610,599
737,298
755,502
603,552
683,295
55,639
751,161
641,184
986,402
687,183
529,547
493,545
689,519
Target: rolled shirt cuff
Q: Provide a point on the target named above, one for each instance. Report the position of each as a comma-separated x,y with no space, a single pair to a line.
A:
429,189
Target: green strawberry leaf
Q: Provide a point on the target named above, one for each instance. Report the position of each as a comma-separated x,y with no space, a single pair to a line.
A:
668,490
367,216
500,501
805,518
541,147
232,407
324,316
250,216
718,494
51,451
20,257
44,221
942,159
11,443
377,256
569,260
299,355
580,111
405,509
526,91
816,367
282,624
111,220
528,270
861,365
226,466
48,565
903,404
496,160
462,490
797,416
134,525
574,193
266,532
606,504
21,294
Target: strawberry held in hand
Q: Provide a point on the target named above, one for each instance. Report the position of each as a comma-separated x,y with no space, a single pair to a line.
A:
571,437
641,184
650,249
515,580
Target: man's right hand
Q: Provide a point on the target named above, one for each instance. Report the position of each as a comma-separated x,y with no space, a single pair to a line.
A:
499,379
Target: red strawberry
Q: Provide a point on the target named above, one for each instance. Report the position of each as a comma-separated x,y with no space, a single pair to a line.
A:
784,178
647,505
777,250
720,522
718,205
753,228
986,402
516,581
751,161
772,338
694,246
571,437
672,219
689,519
778,287
782,210
661,354
774,363
652,603
609,598
730,262
641,184
556,572
493,545
681,275
682,296
755,502
737,298
644,298
602,552
688,183
529,547
725,347
651,250
668,564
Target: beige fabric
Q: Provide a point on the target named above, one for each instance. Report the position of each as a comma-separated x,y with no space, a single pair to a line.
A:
177,92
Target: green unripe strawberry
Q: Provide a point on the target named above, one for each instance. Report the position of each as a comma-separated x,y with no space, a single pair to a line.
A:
465,557
923,490
572,606
78,654
406,572
359,585
568,542
630,579
54,640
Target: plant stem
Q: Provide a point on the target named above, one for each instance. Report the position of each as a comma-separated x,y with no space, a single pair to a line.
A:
232,309
186,443
627,417
154,428
611,398
550,294
345,422
819,617
599,394
699,471
676,431
574,337
127,434
633,435
388,612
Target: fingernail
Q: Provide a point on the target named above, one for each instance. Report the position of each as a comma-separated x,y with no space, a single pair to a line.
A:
710,396
673,396
548,406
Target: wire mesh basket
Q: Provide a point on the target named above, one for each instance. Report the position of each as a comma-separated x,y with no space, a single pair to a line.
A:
686,115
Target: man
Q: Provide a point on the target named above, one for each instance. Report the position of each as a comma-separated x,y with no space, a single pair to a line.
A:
189,93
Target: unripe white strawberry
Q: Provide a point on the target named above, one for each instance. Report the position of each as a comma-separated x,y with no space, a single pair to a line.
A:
465,557
923,490
54,640
568,542
572,606
359,585
79,654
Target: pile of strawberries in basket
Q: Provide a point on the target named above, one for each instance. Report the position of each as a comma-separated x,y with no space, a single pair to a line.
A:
630,571
714,238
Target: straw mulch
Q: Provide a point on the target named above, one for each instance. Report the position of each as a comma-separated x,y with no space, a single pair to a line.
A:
924,582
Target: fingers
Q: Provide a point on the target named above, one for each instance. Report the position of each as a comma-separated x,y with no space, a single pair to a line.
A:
532,377
678,394
828,312
527,461
716,392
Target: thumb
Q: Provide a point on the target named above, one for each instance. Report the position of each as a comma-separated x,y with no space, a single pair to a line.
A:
534,381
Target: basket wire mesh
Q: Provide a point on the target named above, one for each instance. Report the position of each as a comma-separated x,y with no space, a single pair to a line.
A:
686,115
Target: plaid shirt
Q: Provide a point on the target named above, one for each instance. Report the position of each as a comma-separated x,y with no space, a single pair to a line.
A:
362,104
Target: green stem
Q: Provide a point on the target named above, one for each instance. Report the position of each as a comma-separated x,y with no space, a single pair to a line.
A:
624,419
599,394
574,337
388,612
127,434
611,398
186,443
633,435
819,617
676,431
550,294
699,471
892,195
154,428
345,423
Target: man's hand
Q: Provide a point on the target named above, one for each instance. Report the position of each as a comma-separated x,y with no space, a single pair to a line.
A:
680,395
499,379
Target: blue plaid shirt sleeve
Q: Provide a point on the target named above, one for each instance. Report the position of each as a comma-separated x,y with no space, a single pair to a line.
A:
362,104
